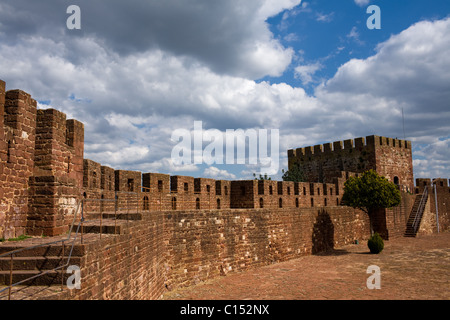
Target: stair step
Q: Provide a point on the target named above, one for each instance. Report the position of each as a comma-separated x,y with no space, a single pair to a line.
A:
43,251
49,278
118,215
108,226
35,263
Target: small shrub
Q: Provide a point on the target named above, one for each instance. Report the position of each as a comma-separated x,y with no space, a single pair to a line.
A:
375,243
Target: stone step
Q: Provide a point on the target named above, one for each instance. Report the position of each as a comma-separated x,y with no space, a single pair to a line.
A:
42,251
47,279
106,226
117,215
36,263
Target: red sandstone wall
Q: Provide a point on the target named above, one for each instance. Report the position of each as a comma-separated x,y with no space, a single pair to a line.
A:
17,144
389,157
443,201
179,248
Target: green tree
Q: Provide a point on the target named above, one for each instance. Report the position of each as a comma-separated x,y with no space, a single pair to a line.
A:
295,174
262,177
370,192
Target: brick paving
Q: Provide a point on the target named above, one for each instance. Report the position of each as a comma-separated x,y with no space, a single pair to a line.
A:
411,269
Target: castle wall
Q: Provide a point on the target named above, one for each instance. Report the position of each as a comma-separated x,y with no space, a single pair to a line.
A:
172,249
55,187
442,195
391,158
17,144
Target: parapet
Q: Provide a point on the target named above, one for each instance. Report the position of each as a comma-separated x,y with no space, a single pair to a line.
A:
349,144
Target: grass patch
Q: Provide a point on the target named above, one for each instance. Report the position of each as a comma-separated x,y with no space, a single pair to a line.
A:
19,238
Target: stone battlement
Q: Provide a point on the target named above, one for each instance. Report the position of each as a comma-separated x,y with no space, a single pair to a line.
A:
350,144
391,158
43,171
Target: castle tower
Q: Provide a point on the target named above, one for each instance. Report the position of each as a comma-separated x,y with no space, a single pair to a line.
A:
391,158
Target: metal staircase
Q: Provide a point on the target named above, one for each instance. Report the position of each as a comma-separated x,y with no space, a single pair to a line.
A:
413,224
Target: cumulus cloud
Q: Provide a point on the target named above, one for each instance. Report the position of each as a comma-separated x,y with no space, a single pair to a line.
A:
229,37
132,90
215,173
306,72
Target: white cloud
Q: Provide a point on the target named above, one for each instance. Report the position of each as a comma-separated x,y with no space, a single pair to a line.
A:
215,173
322,17
306,72
354,35
362,3
131,103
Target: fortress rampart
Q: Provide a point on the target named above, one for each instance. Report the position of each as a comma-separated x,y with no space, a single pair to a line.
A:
43,173
192,229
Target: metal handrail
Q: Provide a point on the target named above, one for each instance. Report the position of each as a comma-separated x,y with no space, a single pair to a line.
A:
420,209
11,253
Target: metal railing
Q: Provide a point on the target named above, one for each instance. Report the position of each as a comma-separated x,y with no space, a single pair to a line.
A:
121,206
62,241
420,210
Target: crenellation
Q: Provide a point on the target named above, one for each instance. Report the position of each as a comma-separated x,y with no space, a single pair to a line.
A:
338,146
192,229
328,147
348,144
359,143
43,169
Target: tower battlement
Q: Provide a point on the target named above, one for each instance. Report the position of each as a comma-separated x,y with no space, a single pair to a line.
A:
390,157
349,145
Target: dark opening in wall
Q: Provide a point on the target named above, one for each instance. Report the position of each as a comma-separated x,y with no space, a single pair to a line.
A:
296,202
280,203
226,190
160,186
94,179
8,152
186,187
243,190
312,202
260,187
270,190
197,203
145,204
130,185
396,180
261,203
218,189
218,203
174,203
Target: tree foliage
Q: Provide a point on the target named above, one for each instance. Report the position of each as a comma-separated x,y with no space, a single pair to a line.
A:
370,192
262,177
295,174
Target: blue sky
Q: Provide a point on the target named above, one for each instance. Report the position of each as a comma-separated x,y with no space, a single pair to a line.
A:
333,32
137,71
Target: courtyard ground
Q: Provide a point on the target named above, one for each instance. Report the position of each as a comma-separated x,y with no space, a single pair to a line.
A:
410,269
